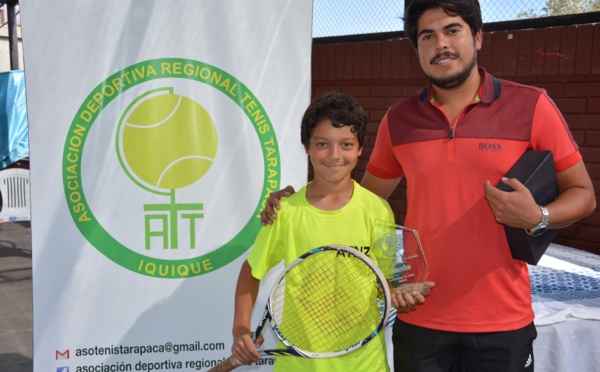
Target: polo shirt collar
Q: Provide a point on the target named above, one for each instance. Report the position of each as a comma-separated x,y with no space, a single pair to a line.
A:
489,89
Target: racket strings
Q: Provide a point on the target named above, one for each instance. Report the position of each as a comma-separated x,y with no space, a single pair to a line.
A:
329,302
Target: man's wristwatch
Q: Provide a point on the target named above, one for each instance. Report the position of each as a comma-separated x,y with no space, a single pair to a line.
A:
541,227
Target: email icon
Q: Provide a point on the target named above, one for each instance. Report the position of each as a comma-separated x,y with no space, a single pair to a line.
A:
62,354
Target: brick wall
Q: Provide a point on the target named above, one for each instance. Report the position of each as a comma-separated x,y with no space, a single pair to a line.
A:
563,60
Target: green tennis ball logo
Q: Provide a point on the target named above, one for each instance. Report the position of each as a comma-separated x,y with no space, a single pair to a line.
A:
169,141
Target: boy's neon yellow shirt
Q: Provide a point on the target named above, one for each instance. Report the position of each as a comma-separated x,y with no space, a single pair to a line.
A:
301,227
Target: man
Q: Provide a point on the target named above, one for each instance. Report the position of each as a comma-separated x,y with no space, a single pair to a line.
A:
454,142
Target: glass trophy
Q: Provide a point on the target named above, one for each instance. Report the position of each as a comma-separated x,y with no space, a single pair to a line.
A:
398,253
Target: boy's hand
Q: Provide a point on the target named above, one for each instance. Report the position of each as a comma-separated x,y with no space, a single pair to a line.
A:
405,301
243,348
268,214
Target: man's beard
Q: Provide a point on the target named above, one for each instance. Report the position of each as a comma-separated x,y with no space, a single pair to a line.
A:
452,81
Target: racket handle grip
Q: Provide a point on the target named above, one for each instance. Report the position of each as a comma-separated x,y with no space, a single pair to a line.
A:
227,365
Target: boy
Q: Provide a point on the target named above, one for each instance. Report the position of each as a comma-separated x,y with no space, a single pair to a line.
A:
332,209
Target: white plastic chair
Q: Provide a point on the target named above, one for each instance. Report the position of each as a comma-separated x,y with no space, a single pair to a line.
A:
14,190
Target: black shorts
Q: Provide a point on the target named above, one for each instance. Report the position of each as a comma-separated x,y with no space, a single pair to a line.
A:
418,349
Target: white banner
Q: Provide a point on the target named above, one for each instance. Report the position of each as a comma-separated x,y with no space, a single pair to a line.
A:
157,131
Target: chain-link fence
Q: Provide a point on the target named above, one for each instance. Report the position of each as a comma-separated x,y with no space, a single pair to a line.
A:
352,17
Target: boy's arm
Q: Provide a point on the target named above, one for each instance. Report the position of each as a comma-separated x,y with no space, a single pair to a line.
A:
405,301
245,296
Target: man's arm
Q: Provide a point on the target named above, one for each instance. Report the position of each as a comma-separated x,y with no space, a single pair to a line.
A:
269,214
379,186
403,301
518,209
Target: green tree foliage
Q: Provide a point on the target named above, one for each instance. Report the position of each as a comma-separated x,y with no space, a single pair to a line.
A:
562,7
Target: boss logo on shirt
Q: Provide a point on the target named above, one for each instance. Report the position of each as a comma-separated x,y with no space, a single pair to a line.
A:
486,146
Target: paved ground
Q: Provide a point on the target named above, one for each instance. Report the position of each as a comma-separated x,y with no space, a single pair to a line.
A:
16,310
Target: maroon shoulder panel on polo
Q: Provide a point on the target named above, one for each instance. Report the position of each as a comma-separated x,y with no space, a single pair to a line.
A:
505,112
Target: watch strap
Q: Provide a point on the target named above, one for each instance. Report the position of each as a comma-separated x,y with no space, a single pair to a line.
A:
541,227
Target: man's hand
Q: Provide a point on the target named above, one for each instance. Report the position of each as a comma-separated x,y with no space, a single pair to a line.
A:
268,214
513,208
405,301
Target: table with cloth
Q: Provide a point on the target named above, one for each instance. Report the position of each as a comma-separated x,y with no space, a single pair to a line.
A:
565,289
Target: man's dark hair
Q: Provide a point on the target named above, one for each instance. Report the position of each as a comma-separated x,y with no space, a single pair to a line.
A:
341,109
468,10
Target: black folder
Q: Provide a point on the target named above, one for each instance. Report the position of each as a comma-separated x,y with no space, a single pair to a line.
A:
535,170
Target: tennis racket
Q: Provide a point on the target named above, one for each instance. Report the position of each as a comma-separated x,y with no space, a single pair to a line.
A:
329,302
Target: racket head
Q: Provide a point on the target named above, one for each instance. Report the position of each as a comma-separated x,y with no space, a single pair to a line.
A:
329,302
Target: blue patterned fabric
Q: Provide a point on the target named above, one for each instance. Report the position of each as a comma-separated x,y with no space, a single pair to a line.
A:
565,274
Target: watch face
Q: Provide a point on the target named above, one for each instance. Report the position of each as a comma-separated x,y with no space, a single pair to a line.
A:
538,231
